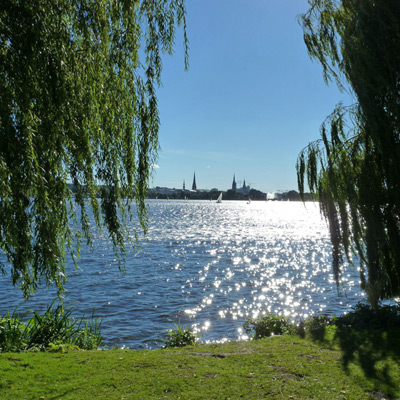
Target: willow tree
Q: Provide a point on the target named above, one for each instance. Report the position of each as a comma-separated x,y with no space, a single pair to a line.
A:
354,169
78,105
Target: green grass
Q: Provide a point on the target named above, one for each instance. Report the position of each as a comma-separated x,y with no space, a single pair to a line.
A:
332,365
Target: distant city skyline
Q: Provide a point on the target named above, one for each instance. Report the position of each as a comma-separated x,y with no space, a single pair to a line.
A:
234,185
250,102
226,186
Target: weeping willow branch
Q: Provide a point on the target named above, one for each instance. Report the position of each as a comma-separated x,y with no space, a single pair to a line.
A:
354,168
78,105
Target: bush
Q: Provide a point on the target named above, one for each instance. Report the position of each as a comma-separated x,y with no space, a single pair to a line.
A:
181,337
364,316
12,333
268,325
318,323
55,326
89,336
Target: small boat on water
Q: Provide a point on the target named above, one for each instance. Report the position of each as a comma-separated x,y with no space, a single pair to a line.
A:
219,200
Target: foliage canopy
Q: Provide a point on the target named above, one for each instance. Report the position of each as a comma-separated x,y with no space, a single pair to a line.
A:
78,104
354,169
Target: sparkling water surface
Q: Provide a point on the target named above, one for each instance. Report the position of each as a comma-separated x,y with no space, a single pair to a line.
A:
207,265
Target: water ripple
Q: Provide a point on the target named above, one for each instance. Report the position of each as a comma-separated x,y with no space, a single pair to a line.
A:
208,265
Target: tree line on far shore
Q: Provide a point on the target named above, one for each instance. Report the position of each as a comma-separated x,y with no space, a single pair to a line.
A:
254,194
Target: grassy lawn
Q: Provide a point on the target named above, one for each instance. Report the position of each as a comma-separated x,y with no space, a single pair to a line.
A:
365,366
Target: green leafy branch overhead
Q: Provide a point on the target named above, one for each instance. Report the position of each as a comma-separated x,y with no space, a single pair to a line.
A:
78,105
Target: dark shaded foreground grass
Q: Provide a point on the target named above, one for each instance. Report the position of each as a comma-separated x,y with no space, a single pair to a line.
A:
280,367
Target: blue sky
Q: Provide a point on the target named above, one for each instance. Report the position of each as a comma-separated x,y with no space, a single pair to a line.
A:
250,101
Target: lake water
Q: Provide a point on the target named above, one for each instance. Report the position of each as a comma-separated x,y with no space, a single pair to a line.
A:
207,265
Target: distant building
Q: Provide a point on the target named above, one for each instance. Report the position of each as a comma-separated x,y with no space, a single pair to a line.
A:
234,183
194,186
244,189
164,190
184,185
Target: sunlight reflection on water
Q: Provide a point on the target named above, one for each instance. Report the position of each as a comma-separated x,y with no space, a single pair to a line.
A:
263,257
210,266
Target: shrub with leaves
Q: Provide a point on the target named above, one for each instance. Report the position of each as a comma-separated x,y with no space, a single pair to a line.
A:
267,325
365,316
88,337
12,333
41,332
317,323
180,337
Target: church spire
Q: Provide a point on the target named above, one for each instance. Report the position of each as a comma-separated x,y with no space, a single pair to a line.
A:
194,186
234,183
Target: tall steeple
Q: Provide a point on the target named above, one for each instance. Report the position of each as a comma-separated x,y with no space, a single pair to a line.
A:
234,183
183,185
194,186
